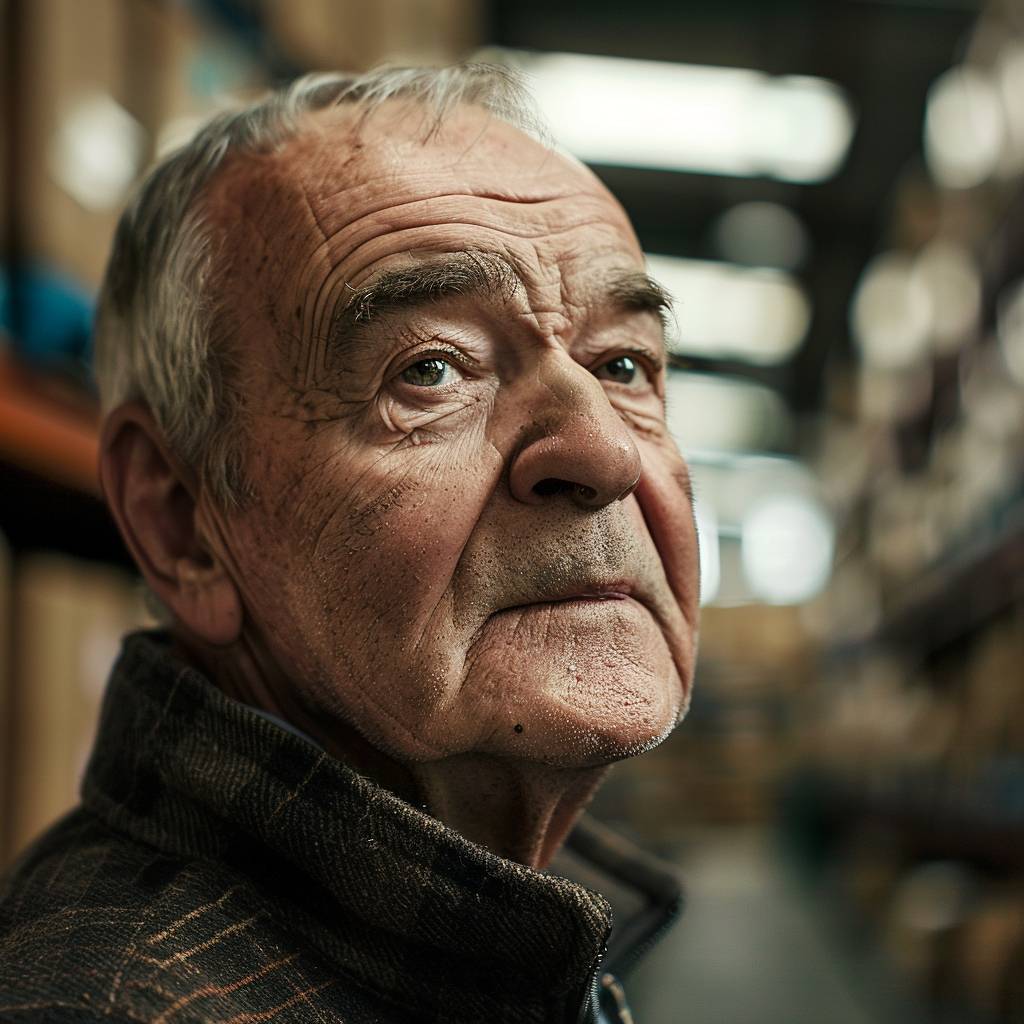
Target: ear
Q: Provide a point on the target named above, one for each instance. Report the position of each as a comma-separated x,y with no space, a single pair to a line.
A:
152,497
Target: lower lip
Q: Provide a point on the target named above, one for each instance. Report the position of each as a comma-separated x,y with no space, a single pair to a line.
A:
587,599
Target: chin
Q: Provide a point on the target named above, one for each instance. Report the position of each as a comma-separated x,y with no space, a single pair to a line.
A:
576,685
594,735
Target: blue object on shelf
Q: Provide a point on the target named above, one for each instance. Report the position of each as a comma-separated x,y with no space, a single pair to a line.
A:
54,318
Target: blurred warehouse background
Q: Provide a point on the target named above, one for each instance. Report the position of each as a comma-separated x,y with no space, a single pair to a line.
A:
834,192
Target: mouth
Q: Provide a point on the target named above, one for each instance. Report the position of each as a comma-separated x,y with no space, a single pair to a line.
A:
588,593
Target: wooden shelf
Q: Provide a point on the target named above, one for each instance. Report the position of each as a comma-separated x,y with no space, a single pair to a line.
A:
47,429
49,490
965,589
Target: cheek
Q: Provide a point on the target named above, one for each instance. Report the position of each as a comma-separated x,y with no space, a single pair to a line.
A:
371,544
349,578
664,498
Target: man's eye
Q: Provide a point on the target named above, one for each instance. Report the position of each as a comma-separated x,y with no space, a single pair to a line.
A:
428,373
621,369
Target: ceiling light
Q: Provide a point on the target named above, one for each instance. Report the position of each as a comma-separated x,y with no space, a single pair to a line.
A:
949,274
964,129
710,413
787,545
730,312
690,117
97,152
891,313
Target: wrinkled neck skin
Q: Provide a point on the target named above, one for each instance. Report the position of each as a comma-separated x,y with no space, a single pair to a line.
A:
519,810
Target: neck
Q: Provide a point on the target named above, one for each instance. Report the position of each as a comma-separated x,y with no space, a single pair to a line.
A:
519,810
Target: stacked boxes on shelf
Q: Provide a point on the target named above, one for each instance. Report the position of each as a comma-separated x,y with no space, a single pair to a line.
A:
69,617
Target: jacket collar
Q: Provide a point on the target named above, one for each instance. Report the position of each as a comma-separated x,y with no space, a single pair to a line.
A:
389,895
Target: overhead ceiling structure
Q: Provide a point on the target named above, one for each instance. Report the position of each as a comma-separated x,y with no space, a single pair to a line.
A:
813,223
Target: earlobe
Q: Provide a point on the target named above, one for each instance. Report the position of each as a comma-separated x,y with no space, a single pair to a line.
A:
208,602
153,499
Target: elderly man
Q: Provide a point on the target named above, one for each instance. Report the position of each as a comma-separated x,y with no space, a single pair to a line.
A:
383,381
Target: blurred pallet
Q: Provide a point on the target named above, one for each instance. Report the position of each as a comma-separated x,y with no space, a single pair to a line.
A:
69,619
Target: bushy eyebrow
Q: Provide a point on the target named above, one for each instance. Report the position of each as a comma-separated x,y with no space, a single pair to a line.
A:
406,288
637,291
480,274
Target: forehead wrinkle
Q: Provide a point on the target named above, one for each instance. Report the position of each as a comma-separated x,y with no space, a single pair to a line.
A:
318,343
351,232
366,231
259,204
362,196
392,240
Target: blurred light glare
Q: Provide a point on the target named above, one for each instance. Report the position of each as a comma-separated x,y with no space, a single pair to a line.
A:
729,312
964,128
690,117
761,234
716,414
97,152
803,128
707,544
891,314
787,544
949,275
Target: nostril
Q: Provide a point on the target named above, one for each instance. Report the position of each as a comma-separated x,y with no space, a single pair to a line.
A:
551,485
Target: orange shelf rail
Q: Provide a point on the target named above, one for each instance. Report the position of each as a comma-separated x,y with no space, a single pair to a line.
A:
45,433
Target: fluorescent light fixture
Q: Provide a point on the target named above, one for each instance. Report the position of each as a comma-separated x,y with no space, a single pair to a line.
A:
726,311
776,538
710,413
690,117
787,545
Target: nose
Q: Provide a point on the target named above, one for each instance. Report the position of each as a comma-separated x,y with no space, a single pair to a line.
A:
581,448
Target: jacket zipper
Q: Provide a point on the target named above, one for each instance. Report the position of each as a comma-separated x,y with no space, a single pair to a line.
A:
588,1008
588,1012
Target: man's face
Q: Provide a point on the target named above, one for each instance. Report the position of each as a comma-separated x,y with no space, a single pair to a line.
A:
471,531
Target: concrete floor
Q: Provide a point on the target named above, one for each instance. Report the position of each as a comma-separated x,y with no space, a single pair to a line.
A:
751,949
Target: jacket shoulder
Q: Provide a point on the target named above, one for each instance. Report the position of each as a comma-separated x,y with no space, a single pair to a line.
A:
94,923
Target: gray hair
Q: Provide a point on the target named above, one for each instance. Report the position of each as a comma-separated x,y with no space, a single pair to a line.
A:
155,326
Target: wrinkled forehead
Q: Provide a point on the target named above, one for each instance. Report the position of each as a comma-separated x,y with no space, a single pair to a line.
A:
348,164
400,135
300,229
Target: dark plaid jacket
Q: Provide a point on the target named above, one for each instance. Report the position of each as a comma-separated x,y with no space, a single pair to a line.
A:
223,869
